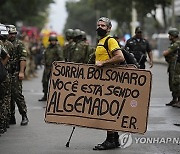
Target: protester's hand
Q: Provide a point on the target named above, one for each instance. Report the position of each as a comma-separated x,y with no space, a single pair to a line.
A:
151,64
99,63
21,75
165,53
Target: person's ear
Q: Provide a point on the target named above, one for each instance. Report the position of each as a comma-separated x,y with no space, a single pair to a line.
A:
109,29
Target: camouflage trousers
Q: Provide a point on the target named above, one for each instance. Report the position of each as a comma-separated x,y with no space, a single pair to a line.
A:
45,80
17,96
174,79
5,99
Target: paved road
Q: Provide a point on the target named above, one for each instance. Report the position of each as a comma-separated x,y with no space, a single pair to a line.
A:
42,138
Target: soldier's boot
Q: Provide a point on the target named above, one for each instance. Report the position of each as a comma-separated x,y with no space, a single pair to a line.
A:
3,129
7,124
174,100
109,143
12,120
24,120
44,98
177,125
116,137
177,104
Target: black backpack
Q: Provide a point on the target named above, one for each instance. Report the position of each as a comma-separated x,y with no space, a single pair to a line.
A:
129,57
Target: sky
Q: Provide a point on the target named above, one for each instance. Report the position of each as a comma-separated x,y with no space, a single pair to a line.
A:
57,16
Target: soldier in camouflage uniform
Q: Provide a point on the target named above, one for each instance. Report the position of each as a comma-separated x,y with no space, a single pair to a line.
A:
4,105
172,56
79,50
88,49
69,45
18,64
51,54
7,83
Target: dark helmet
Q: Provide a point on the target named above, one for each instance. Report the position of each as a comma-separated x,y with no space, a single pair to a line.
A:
3,30
138,30
69,32
106,20
173,32
11,29
53,37
77,32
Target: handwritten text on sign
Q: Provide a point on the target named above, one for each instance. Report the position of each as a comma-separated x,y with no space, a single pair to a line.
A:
104,98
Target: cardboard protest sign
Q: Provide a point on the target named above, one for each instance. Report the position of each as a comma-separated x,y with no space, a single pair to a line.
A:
99,97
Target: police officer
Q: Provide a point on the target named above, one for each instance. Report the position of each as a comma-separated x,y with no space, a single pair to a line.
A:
172,56
140,48
102,58
51,54
18,64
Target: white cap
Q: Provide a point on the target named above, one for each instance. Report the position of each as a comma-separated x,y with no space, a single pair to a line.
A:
3,30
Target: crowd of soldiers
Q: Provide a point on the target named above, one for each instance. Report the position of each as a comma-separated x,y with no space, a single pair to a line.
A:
76,49
15,55
21,57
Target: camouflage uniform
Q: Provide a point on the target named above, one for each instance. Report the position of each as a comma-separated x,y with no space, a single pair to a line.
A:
80,50
19,54
3,95
7,83
88,51
174,68
79,53
51,54
69,45
68,50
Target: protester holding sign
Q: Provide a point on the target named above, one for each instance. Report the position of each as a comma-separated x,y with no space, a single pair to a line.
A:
103,57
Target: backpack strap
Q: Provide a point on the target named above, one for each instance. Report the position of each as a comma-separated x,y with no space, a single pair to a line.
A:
106,45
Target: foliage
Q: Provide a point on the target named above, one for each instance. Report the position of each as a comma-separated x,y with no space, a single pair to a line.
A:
30,12
82,14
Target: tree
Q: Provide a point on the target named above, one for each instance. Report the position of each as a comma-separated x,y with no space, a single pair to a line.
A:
30,12
87,12
81,16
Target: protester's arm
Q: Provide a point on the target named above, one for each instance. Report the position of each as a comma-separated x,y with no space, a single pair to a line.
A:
117,58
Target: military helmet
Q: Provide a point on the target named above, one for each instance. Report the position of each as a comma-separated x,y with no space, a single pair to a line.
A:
106,20
3,30
69,32
83,33
53,37
173,32
11,29
77,32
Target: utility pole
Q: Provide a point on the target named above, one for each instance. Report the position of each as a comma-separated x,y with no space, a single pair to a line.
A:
134,22
173,15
